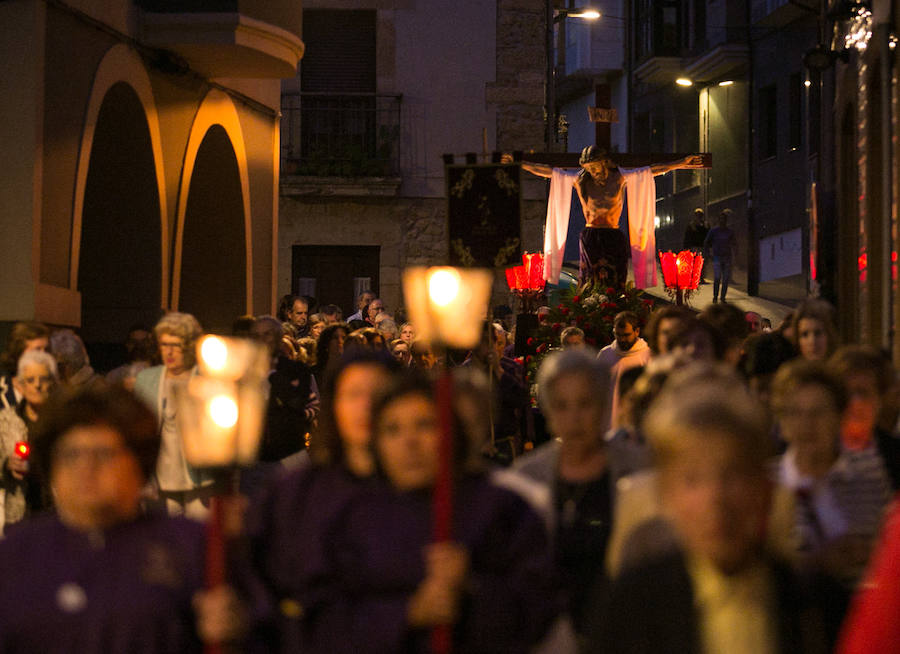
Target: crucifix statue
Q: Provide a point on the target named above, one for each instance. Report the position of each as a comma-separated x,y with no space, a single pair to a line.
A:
601,184
603,247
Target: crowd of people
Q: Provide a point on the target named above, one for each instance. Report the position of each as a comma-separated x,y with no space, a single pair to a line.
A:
704,483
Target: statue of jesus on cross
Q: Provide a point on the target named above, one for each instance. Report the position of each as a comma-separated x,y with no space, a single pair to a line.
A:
601,187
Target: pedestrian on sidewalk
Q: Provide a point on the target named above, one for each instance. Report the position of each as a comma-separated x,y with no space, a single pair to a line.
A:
721,242
695,235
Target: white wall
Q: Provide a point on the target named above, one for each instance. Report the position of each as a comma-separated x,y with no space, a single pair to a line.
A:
781,255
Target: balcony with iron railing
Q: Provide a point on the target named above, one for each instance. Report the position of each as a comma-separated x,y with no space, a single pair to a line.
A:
349,135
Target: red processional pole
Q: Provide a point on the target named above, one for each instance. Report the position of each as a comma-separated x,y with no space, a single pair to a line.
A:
215,558
442,501
216,570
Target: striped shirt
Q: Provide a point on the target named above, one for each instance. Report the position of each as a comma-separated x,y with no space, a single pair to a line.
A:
849,500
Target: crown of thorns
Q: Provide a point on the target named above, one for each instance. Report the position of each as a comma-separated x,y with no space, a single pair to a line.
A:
591,154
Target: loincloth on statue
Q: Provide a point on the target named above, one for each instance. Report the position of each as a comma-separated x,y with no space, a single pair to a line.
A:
604,255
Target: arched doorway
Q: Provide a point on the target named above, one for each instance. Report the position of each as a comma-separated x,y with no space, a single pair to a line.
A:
213,272
119,271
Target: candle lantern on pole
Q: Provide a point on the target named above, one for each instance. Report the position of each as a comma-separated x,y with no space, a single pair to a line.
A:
527,283
220,418
448,306
681,273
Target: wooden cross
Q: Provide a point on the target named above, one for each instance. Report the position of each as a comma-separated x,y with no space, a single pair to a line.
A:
603,138
605,252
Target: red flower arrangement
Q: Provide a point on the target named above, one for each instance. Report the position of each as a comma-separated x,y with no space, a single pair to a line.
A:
591,310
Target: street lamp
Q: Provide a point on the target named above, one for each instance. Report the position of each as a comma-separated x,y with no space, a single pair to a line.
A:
554,16
591,14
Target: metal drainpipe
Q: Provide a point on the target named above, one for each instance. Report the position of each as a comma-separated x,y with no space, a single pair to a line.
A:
886,186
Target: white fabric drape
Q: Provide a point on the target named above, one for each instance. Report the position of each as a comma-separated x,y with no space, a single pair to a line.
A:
641,190
557,227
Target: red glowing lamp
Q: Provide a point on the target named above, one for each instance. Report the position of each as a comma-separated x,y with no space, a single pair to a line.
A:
22,449
529,276
527,281
681,272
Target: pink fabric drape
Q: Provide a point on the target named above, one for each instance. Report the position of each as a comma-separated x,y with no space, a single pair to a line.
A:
557,227
641,194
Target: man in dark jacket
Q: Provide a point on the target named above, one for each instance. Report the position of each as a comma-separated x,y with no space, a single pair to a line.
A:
696,231
293,397
721,242
694,236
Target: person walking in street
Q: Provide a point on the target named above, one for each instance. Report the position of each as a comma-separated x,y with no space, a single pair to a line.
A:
720,240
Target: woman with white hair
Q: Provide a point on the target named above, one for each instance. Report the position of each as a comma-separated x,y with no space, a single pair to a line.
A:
20,490
578,467
183,489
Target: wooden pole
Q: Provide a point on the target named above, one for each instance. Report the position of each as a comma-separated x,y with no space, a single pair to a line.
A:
215,557
442,501
216,539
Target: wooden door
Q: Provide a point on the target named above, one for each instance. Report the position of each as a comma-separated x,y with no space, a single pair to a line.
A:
334,274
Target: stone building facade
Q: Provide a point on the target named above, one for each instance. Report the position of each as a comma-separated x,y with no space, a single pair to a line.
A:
463,78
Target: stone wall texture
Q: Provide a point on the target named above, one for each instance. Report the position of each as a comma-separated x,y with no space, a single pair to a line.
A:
518,92
409,231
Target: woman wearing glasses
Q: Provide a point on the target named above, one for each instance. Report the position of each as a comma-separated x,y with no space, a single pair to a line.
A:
20,489
182,489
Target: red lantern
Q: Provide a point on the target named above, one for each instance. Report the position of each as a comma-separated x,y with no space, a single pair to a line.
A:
529,276
681,272
534,265
517,278
527,280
